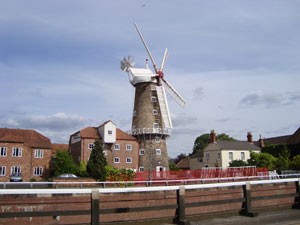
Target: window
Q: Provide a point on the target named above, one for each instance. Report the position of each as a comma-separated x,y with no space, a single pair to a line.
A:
39,153
128,147
2,170
142,151
157,139
15,169
17,152
155,112
155,125
91,146
3,151
230,156
128,160
153,99
116,160
243,156
116,147
38,171
219,155
110,132
141,169
207,156
153,88
158,151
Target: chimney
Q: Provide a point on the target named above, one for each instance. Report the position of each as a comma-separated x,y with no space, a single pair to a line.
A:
213,137
261,142
249,137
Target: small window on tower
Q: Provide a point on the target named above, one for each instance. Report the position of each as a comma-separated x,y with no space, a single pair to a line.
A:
153,99
157,139
142,152
155,112
153,88
155,125
158,151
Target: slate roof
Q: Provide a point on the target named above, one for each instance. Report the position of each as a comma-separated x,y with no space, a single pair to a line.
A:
277,140
295,138
232,145
30,138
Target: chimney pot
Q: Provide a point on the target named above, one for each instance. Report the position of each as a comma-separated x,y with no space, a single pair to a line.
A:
249,137
213,137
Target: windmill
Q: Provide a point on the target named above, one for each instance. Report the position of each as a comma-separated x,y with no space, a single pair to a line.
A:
151,121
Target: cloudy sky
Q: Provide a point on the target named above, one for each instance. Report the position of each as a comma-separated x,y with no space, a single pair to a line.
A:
236,62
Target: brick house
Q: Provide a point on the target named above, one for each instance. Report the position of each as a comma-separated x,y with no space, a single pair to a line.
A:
25,151
221,153
121,149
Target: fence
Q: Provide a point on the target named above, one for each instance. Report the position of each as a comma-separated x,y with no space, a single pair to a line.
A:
205,172
100,206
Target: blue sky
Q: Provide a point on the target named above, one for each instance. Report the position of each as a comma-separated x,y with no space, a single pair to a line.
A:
236,63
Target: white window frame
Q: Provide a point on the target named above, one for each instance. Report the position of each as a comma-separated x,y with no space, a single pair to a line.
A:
158,151
230,156
2,171
243,156
117,147
91,146
153,99
3,151
15,169
38,153
117,160
38,171
142,152
155,112
128,160
16,152
141,169
128,147
155,125
207,156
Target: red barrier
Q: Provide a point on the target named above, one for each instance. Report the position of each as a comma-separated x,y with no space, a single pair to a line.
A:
204,173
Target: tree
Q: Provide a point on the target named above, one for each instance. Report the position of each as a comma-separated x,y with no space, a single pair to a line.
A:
203,140
295,163
264,160
179,157
97,162
63,162
238,163
283,162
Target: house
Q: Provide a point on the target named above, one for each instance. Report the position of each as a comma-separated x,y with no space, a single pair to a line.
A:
121,149
24,151
221,153
184,164
292,142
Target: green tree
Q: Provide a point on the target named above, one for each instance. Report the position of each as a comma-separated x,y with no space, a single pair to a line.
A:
264,160
283,162
238,163
203,140
97,162
295,163
82,169
63,162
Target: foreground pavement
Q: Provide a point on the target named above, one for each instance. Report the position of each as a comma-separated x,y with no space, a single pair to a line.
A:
280,217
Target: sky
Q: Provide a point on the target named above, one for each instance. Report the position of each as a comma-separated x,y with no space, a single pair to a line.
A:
236,63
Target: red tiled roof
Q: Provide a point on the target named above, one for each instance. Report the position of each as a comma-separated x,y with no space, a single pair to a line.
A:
56,146
121,135
28,137
89,132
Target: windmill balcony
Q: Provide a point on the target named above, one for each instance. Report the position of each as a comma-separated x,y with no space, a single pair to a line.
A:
141,131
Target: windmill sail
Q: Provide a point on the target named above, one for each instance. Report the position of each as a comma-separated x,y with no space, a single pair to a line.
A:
171,90
164,109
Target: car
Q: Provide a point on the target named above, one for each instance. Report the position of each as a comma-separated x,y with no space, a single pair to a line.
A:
67,175
16,177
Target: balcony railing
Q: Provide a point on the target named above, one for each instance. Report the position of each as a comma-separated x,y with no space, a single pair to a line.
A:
141,131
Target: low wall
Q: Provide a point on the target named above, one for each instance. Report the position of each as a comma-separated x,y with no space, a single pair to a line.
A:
75,206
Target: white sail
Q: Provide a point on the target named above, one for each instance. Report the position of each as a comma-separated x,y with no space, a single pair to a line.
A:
164,109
